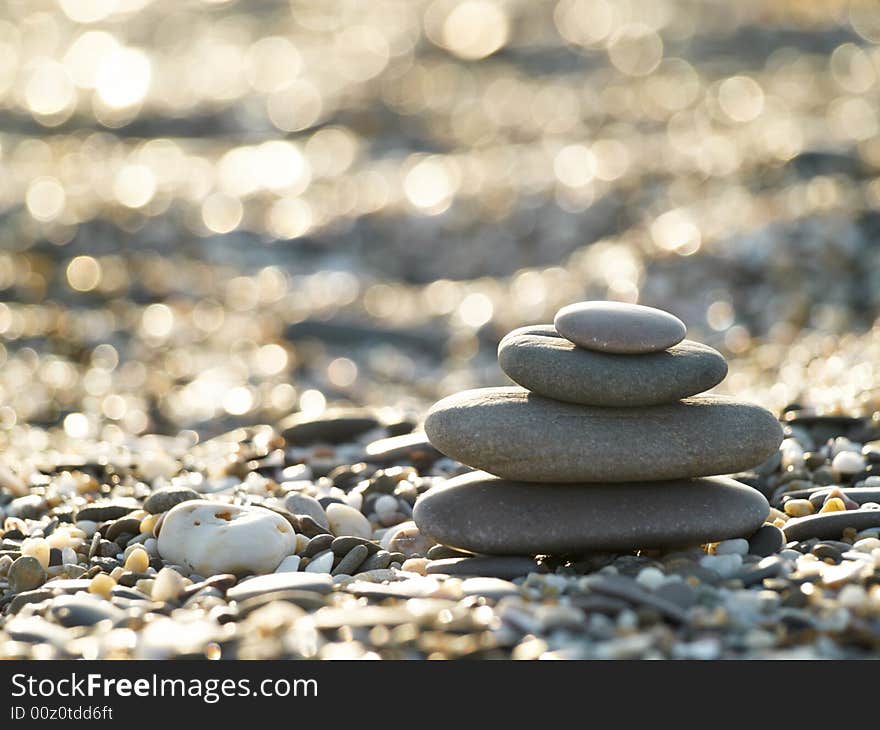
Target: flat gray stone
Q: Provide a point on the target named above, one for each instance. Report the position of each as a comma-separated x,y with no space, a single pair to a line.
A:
541,360
519,435
491,566
333,426
830,525
315,582
485,514
619,327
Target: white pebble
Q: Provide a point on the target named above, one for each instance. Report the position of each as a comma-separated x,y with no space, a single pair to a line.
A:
651,578
725,565
169,584
792,453
872,481
88,527
385,506
355,500
852,596
321,563
736,546
68,556
346,520
290,564
848,462
866,545
210,538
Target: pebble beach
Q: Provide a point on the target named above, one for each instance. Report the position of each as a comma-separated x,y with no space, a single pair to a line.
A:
268,276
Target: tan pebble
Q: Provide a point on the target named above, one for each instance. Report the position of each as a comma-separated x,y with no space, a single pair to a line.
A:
835,504
415,565
38,548
799,507
301,542
145,585
117,572
138,561
102,585
776,514
148,524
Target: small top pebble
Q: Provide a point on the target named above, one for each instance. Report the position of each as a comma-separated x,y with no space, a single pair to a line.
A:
619,327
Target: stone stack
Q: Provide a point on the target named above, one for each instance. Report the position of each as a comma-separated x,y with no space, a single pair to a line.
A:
606,446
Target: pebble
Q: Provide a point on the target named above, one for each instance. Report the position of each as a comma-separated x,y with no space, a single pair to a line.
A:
107,510
618,586
414,447
345,520
301,581
290,564
407,539
37,548
485,514
26,573
830,525
493,588
651,578
333,426
321,563
378,561
766,541
798,507
619,327
342,545
137,561
83,609
725,565
317,544
519,435
168,585
102,585
736,546
210,538
349,564
544,362
848,463
302,504
833,504
163,500
484,565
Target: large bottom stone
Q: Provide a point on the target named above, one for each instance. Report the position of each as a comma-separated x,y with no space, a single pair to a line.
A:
486,514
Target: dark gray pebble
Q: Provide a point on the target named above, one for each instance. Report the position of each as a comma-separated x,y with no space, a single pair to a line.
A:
342,545
317,544
352,561
767,540
107,510
490,566
163,500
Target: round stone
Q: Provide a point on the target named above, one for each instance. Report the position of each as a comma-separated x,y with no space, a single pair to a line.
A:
519,435
25,574
619,327
487,514
210,538
768,540
541,360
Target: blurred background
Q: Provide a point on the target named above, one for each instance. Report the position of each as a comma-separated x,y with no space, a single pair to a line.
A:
217,213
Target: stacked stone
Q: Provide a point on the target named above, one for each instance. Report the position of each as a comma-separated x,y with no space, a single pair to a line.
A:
606,446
